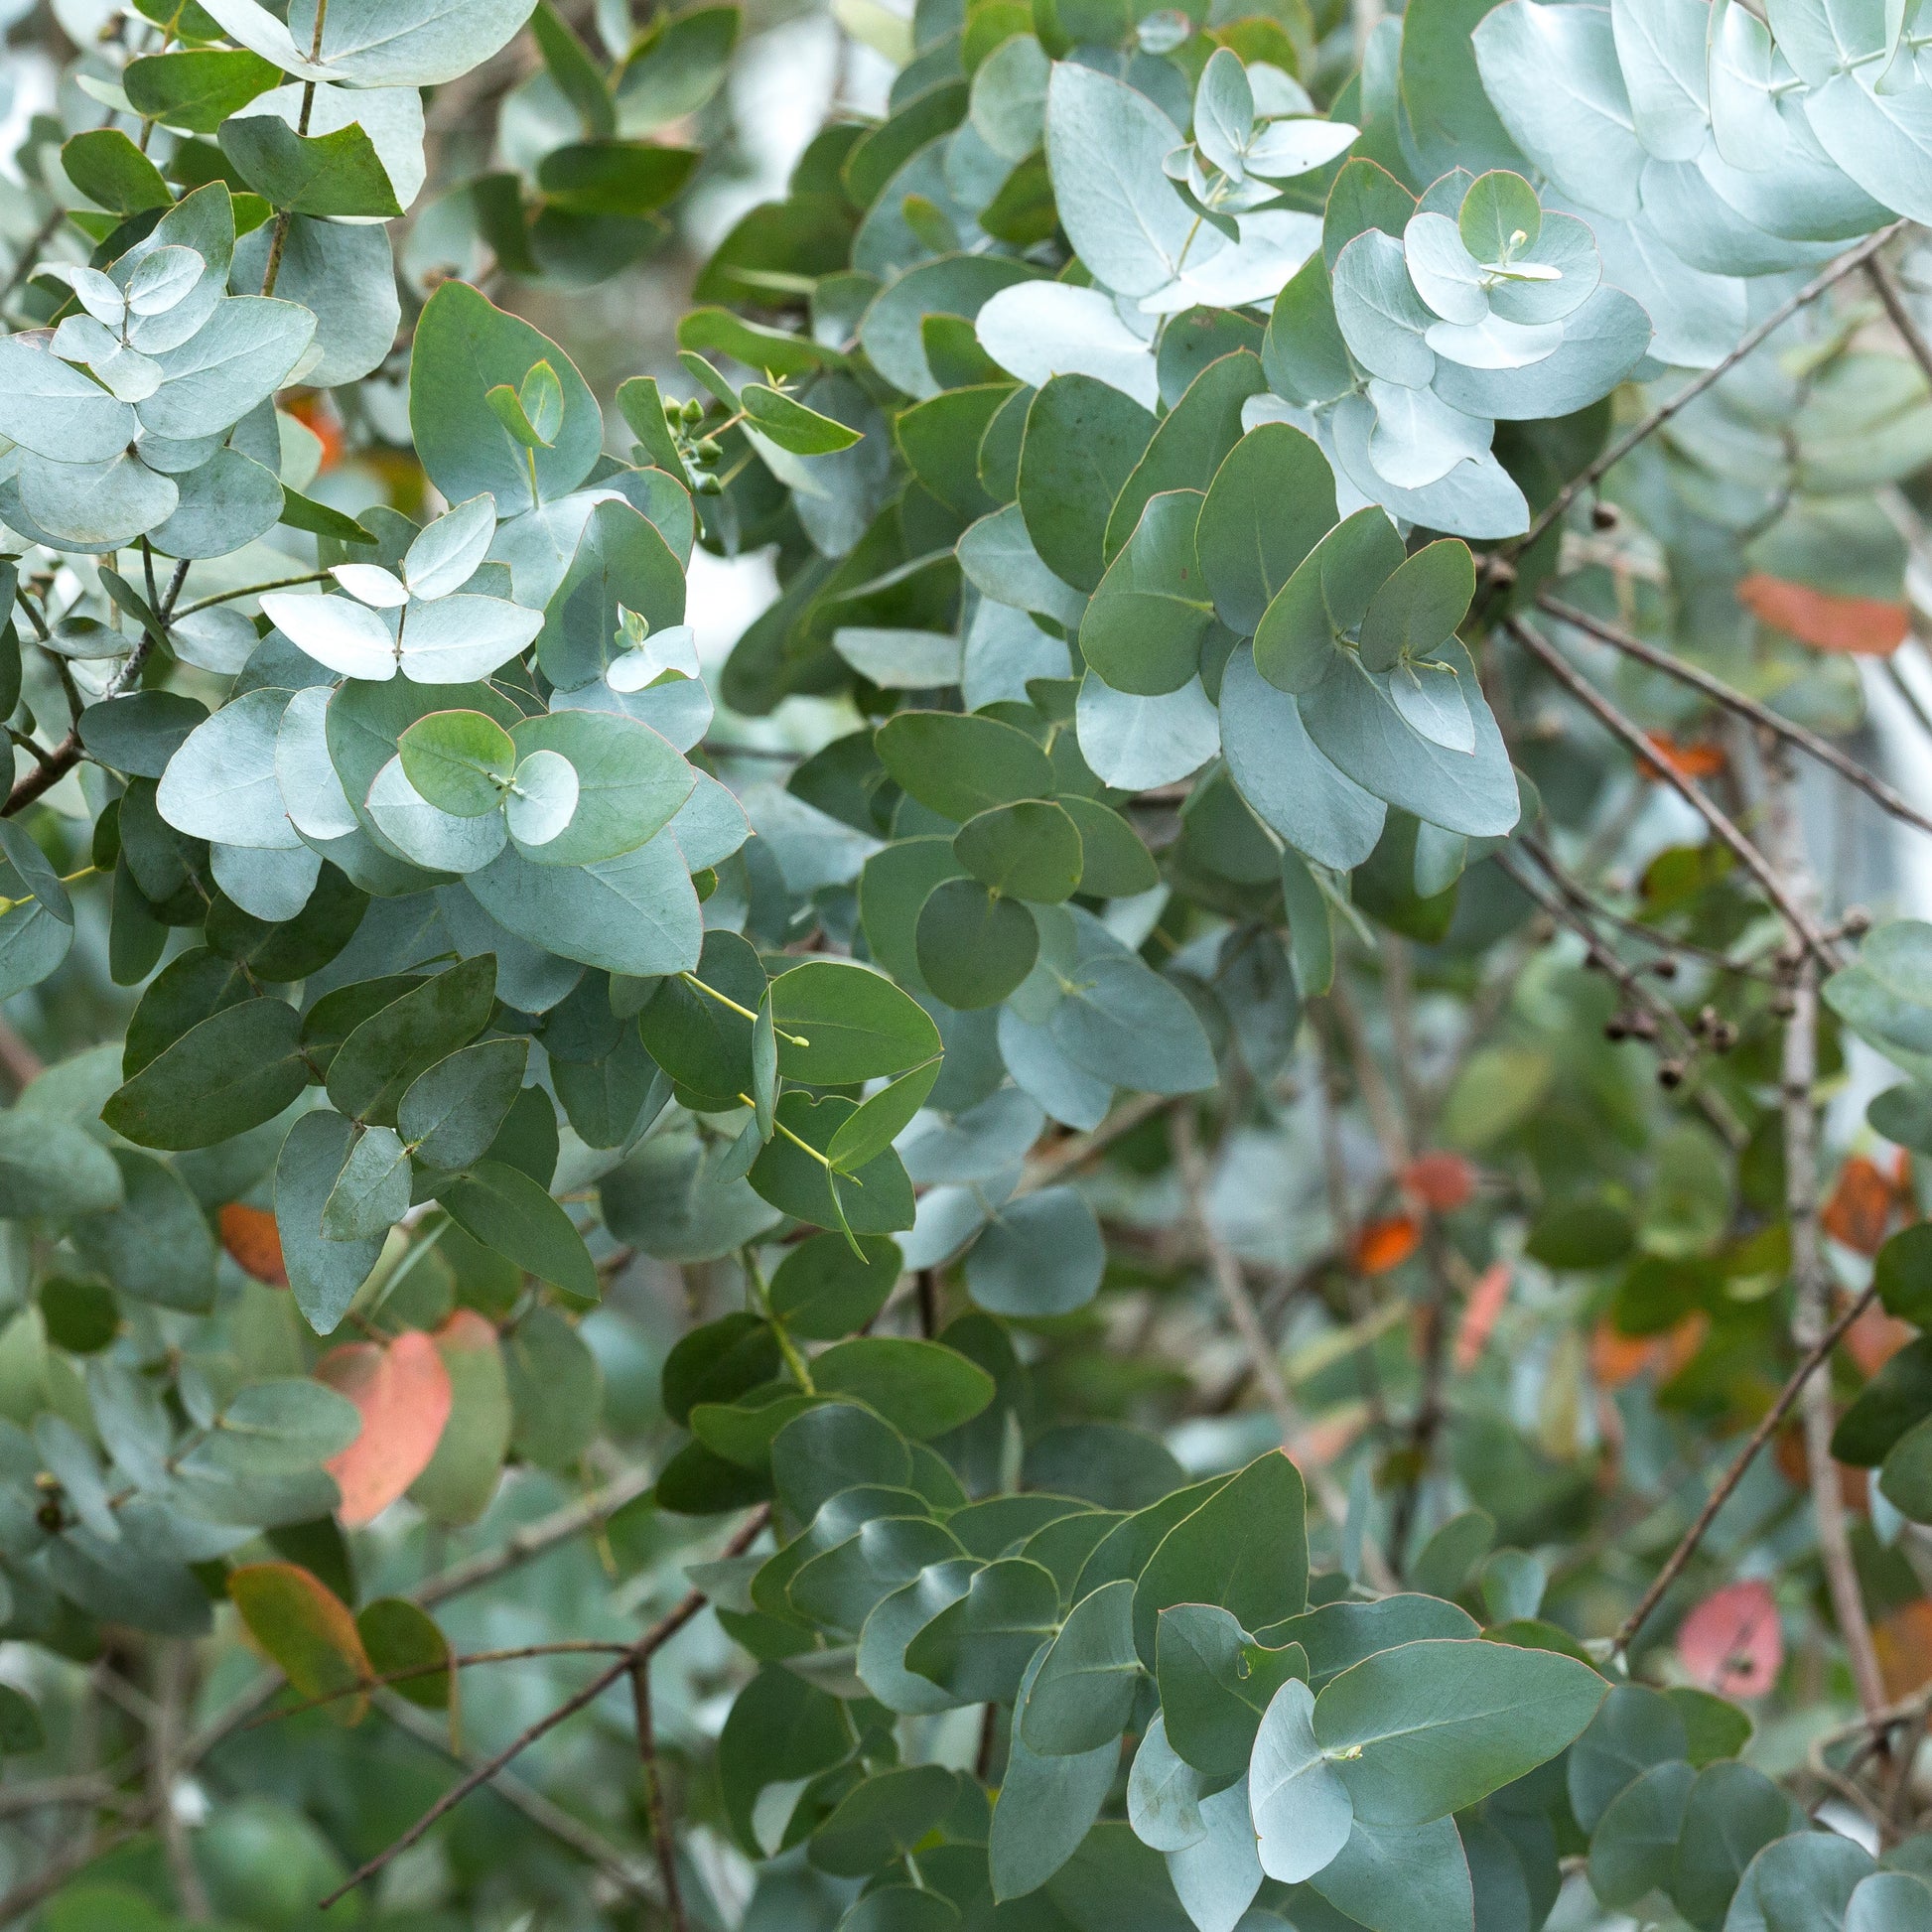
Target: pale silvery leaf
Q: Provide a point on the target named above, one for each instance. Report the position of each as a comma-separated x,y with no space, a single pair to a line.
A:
96,293
1040,329
1430,698
312,792
1008,108
392,118
53,410
673,650
1883,141
1493,344
1700,228
255,27
1805,198
1696,318
1164,1793
1277,92
274,883
220,784
899,660
1382,319
162,280
1661,46
1446,276
1224,112
710,825
370,584
1301,1808
1272,246
95,505
347,638
408,42
1135,742
1299,146
1551,279
542,798
372,1193
202,223
464,636
433,838
121,372
1553,77
446,553
218,640
1741,72
1602,343
1105,144
1478,498
1216,1877
1418,438
240,357
998,557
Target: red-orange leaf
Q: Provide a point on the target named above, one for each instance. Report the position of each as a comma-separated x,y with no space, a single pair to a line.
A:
1903,1642
1869,626
403,1391
1480,1314
1439,1180
307,1629
249,1235
1696,759
1733,1642
1860,1207
1386,1244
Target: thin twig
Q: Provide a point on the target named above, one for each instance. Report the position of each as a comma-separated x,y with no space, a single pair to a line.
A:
1728,1483
1803,928
66,754
1719,692
1063,1156
660,1632
656,1815
533,1539
1832,272
1229,1279
28,254
1798,1080
255,590
1909,332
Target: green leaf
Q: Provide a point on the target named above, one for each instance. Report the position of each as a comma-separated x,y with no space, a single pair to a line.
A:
1388,1876
838,1589
1215,1683
961,764
831,1448
398,1638
377,1063
324,1274
847,1025
1031,850
790,425
883,1818
1326,598
1083,1694
920,1387
1418,607
893,1625
979,1648
156,1246
1114,864
451,1111
109,169
338,173
1046,1807
1244,1549
463,1474
1428,1727
1039,1256
615,179
372,1193
793,1172
283,1426
1804,1882
1634,1728
1143,631
881,1119
196,89
1082,442
974,947
628,785
233,1071
513,1216
460,760
822,1290
1634,1846
1272,501
52,1168
309,1633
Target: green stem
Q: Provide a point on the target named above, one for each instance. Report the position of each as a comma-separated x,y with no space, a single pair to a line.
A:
744,1013
762,1294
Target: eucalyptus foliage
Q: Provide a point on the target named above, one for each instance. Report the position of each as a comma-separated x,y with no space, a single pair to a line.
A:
420,960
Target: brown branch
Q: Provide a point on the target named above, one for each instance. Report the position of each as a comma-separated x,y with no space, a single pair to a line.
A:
66,754
660,1632
1060,1159
1728,1483
1909,332
655,1812
1802,926
533,1540
1832,272
1718,692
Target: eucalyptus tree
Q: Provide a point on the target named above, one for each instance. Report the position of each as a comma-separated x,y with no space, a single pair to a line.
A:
1133,1200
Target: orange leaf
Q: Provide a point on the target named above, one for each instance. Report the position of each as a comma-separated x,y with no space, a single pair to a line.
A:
1860,1207
1874,1339
1733,1642
1903,1642
1480,1314
317,412
1438,1180
1386,1244
403,1393
249,1234
1869,626
1697,760
308,1630
1616,1359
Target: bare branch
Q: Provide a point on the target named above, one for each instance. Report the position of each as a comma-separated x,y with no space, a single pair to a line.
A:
1909,332
655,1807
1060,1159
1761,715
1802,926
